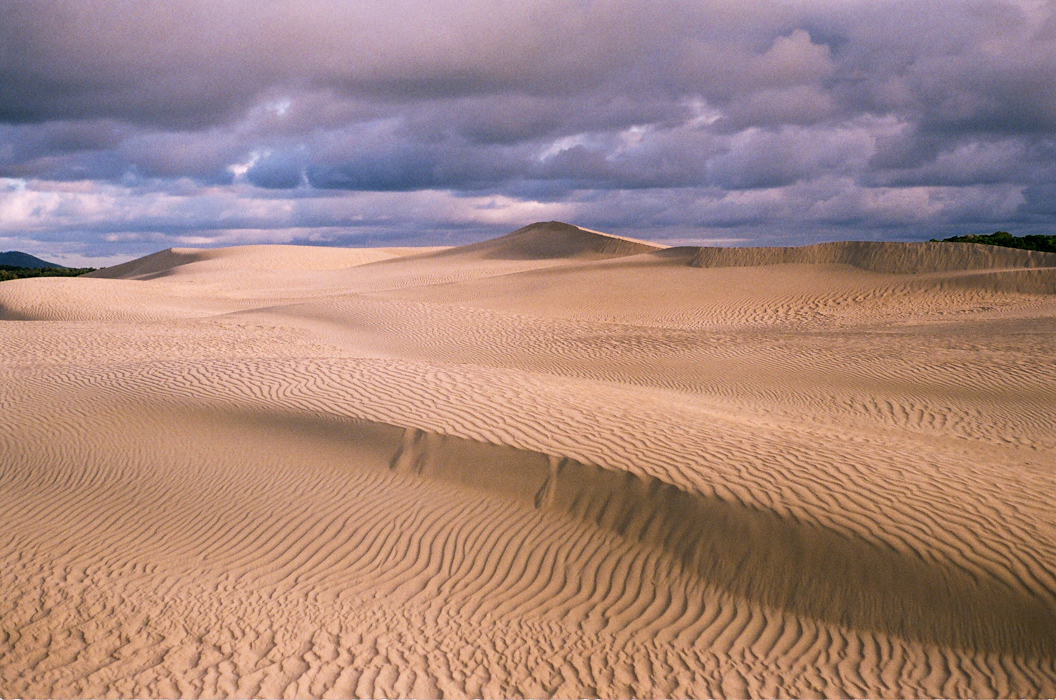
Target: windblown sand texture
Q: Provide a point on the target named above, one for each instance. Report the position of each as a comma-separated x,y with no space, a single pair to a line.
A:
558,463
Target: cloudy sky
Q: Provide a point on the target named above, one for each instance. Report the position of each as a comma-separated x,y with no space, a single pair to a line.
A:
130,127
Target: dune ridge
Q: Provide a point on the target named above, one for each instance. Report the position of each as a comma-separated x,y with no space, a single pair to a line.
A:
889,257
557,464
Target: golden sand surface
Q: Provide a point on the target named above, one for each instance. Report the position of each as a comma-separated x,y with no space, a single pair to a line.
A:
556,463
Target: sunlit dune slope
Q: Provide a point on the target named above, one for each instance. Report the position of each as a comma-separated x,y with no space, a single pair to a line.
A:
272,258
556,463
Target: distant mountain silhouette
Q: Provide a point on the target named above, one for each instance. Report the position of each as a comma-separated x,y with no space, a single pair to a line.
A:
15,258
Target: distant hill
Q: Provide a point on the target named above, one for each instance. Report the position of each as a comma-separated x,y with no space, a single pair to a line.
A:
16,258
15,265
1045,244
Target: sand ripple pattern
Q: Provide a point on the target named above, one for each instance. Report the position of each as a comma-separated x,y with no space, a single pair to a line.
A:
500,471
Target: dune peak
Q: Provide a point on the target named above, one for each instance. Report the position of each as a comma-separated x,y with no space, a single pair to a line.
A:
555,240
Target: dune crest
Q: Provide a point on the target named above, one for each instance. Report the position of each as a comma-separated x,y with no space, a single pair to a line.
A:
893,258
554,464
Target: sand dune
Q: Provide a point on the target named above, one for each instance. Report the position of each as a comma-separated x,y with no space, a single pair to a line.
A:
287,258
553,240
898,258
558,463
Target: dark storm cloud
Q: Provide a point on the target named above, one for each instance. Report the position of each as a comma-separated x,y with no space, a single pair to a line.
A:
871,119
198,63
983,65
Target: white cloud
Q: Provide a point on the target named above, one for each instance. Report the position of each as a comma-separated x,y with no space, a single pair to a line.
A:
239,170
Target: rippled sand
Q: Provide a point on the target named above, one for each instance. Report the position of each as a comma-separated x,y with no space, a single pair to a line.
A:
558,463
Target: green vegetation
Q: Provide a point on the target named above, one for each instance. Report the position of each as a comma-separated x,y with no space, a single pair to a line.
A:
1046,244
9,272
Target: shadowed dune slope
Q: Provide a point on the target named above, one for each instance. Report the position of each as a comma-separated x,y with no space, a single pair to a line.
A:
779,562
153,265
556,464
554,239
896,258
665,288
